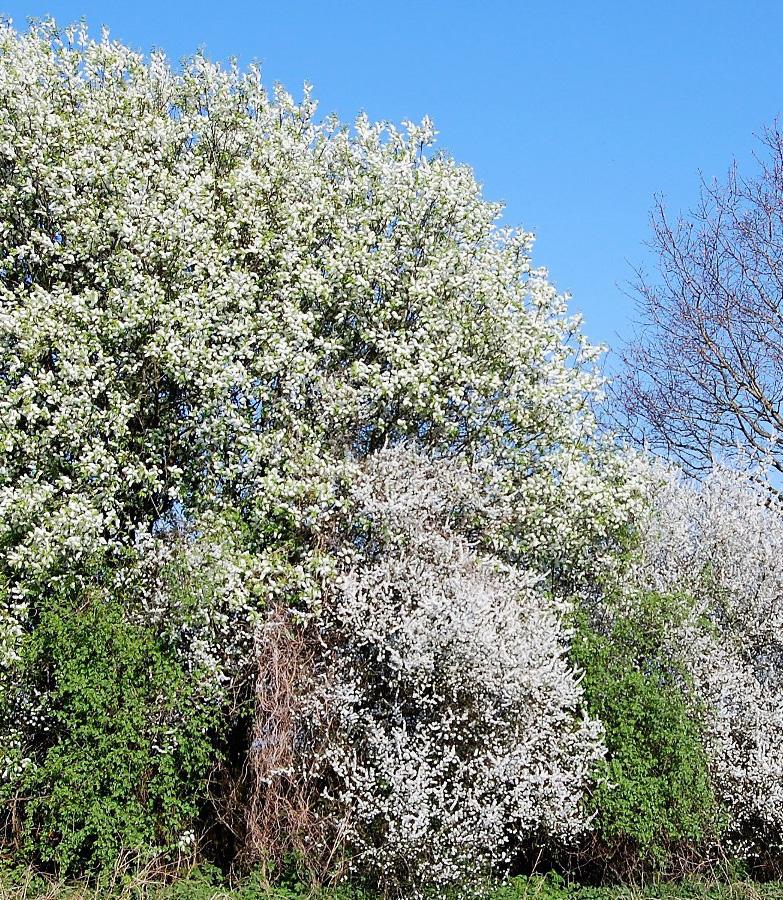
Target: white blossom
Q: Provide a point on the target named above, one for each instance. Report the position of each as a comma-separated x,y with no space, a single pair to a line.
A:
454,721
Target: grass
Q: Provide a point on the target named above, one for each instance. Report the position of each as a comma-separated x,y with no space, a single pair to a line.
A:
207,885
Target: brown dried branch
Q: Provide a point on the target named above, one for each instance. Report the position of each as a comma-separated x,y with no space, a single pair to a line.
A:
281,817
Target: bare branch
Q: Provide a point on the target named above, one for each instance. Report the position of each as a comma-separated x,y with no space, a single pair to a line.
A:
703,376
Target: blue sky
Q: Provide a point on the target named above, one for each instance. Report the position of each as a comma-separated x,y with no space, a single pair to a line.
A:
573,113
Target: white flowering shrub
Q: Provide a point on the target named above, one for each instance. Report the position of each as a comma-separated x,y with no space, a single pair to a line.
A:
13,759
455,723
721,544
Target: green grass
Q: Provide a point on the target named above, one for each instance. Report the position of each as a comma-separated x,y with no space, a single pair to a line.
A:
206,885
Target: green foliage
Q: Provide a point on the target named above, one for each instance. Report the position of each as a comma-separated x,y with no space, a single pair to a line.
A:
120,755
653,792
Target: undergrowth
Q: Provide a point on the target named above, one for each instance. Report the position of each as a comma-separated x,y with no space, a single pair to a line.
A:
207,884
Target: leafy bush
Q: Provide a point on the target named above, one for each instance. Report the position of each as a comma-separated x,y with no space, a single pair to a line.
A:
118,754
654,793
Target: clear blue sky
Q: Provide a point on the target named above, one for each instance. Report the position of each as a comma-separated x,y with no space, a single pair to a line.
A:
573,113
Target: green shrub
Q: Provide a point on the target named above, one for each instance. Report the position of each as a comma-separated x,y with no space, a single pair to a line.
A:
653,791
120,753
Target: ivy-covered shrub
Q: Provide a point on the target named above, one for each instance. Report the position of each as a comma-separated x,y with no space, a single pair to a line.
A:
654,797
117,753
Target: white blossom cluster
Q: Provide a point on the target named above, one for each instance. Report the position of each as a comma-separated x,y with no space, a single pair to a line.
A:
720,543
454,719
197,591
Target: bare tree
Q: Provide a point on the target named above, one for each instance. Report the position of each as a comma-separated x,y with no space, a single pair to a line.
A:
703,377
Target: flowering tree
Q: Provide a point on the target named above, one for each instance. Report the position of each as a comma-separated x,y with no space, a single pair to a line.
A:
209,297
214,306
